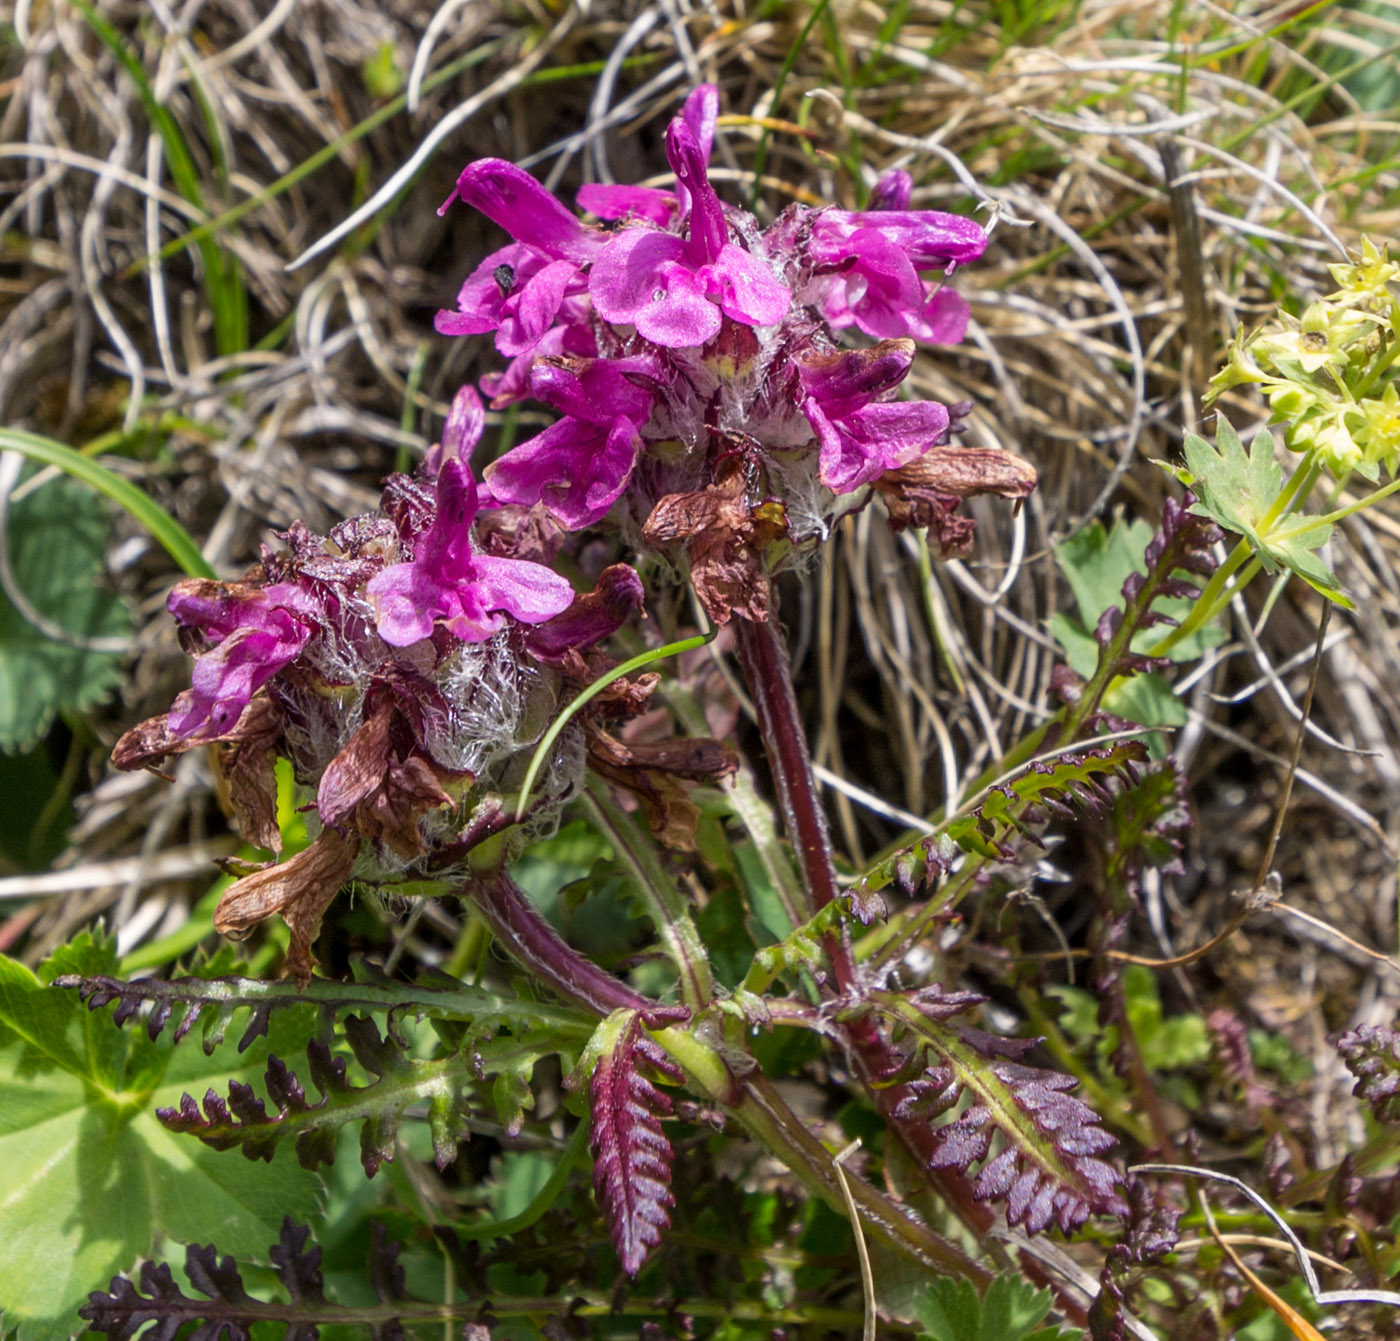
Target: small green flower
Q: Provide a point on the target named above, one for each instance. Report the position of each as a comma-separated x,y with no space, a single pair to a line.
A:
1370,278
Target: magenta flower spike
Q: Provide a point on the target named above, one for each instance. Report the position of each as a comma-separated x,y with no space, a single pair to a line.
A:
694,359
446,583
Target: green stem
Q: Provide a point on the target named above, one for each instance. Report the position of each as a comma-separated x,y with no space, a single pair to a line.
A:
664,900
1328,518
754,1102
1215,595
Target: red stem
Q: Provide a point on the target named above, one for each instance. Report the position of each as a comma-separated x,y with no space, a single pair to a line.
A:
769,677
518,925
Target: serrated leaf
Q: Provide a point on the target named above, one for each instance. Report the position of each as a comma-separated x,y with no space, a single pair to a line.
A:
57,539
1238,489
631,1155
949,1309
88,1178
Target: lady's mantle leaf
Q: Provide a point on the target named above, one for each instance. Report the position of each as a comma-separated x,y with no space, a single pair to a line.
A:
1237,490
1011,1310
631,1155
57,538
77,1131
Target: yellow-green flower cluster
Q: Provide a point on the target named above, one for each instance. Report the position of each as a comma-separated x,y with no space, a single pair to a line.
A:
1329,376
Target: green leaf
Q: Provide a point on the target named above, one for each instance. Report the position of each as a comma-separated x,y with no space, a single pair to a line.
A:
949,1309
1096,563
90,1179
1238,490
57,538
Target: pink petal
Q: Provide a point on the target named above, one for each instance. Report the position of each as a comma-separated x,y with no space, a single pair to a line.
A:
628,274
406,601
708,231
680,316
945,318
510,197
746,288
461,432
573,467
535,308
529,591
618,202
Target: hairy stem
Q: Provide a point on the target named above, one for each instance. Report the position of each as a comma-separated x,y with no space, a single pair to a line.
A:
769,677
519,927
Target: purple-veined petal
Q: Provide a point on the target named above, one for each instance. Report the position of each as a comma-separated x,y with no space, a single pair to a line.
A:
592,617
530,592
599,390
225,679
892,191
858,447
575,468
461,432
530,312
746,288
618,202
628,274
510,197
846,381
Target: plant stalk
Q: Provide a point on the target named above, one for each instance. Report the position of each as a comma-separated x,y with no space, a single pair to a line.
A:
518,926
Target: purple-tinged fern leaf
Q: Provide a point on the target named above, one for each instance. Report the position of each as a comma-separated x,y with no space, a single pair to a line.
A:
631,1155
1372,1055
229,1313
244,1122
1047,1170
217,1000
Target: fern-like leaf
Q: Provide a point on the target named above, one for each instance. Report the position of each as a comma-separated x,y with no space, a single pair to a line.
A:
1068,784
228,1311
216,1001
244,1122
631,1155
1372,1055
1047,1169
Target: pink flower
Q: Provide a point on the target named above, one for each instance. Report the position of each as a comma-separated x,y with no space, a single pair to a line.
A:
255,633
674,290
861,436
446,583
580,465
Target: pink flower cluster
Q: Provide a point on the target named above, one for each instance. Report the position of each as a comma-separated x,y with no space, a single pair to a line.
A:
683,333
